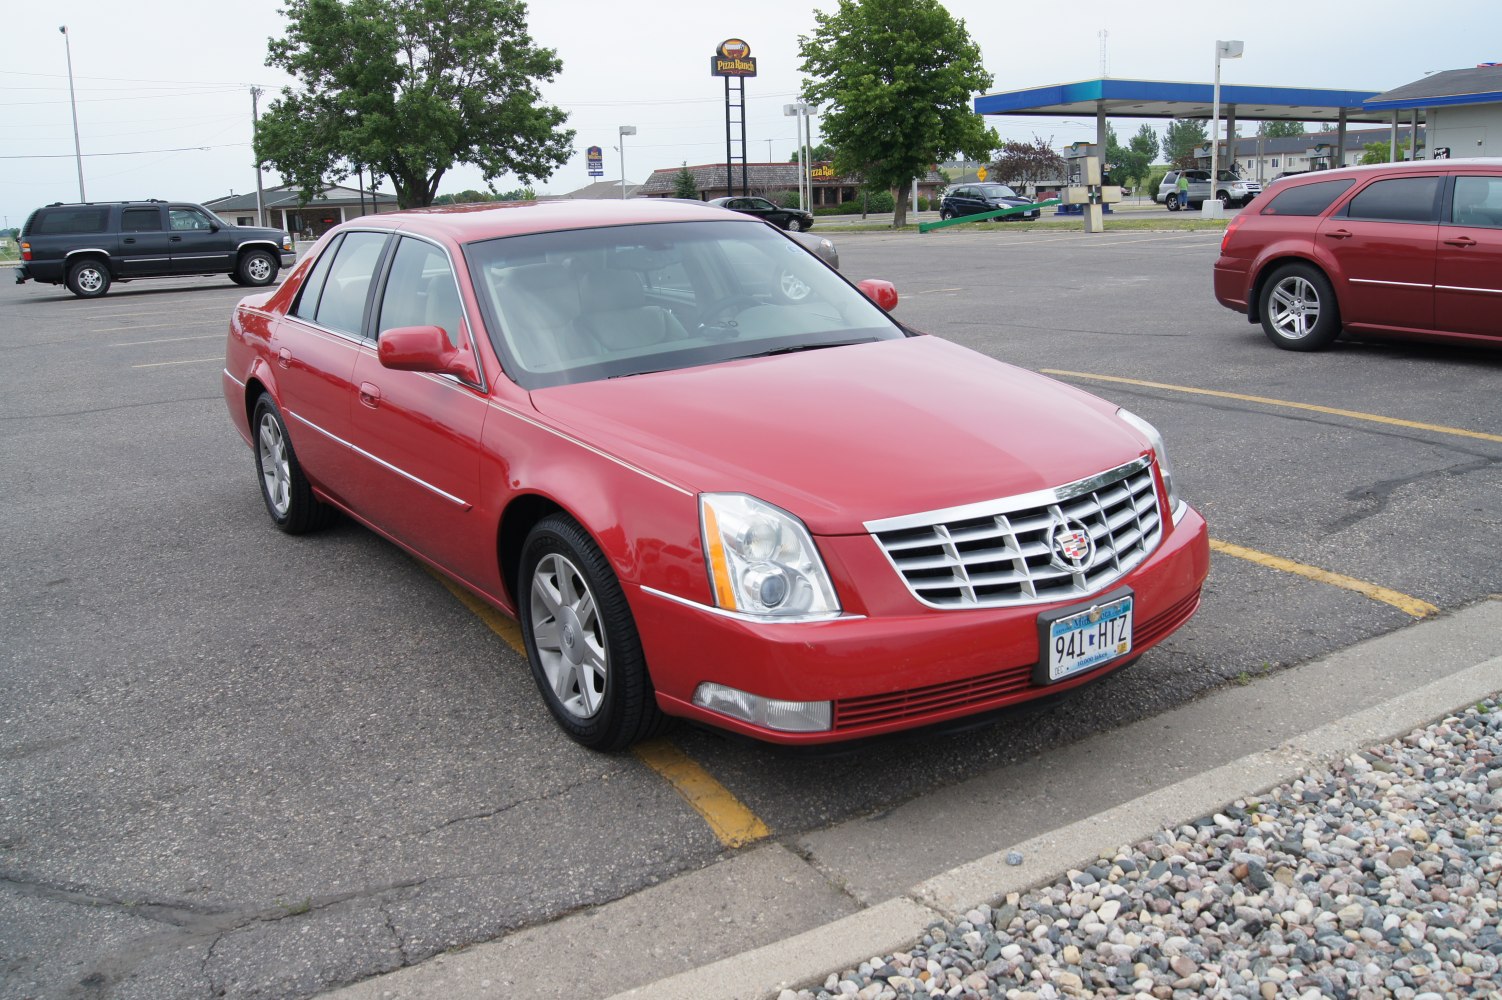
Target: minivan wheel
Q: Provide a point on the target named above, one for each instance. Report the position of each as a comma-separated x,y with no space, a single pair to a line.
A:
1172,203
1298,309
88,279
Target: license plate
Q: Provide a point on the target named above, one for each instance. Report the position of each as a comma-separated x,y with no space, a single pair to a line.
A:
1077,641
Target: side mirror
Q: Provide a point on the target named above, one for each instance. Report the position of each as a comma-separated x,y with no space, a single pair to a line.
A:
883,293
425,349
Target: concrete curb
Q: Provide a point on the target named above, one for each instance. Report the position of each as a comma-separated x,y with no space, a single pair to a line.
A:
811,956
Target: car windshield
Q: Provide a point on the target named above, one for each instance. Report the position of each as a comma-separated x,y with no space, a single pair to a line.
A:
997,191
587,304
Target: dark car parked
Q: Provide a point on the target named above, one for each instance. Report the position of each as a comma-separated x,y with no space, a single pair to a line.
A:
973,199
783,218
1397,249
89,245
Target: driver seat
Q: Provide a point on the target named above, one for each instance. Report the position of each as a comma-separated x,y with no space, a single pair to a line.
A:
614,309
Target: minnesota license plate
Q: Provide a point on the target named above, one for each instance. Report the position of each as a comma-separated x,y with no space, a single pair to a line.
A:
1080,640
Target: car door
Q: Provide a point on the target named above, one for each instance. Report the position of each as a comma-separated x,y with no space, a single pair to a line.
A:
1382,243
764,210
1468,257
313,350
145,243
416,435
200,243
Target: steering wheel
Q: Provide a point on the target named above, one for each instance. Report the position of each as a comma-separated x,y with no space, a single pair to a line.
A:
710,315
790,286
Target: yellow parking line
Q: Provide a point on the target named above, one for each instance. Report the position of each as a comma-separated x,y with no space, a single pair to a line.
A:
1375,418
1408,605
727,816
729,819
505,627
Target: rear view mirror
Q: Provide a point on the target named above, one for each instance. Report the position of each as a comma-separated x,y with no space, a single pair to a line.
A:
425,349
883,293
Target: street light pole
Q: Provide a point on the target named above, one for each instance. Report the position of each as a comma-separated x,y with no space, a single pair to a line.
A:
77,147
800,111
625,130
1211,206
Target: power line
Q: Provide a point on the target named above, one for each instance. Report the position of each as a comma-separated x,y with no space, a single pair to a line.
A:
125,152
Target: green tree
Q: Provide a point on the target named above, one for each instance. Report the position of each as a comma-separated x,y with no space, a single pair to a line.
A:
683,183
1130,163
817,154
1380,152
1183,137
409,88
896,78
1280,130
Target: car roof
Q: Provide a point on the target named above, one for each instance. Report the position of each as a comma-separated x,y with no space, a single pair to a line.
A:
1489,163
469,223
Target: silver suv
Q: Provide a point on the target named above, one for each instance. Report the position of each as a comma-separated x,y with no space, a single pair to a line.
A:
1231,189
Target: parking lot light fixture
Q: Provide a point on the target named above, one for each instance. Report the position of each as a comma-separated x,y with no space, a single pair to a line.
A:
73,103
625,130
1223,50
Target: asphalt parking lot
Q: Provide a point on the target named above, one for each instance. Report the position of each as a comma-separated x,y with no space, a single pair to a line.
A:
239,764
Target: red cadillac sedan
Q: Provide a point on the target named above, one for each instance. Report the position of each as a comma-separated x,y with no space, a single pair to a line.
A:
710,477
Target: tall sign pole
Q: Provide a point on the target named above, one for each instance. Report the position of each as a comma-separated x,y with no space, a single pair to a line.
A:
733,61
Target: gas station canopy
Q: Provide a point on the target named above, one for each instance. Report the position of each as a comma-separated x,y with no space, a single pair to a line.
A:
1165,99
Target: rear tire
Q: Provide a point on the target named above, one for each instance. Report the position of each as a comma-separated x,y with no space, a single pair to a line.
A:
1298,309
89,279
289,499
1172,203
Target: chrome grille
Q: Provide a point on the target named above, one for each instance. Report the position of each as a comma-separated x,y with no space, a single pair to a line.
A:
1003,552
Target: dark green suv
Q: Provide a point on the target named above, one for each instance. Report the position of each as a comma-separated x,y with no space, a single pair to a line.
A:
87,246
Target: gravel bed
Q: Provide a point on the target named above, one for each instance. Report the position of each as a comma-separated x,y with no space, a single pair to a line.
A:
1375,878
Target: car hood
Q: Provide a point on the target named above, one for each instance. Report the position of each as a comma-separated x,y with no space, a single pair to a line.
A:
846,435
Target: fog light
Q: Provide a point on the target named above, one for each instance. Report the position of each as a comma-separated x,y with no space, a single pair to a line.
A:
773,713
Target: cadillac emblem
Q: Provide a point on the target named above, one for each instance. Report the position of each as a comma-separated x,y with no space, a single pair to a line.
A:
1073,548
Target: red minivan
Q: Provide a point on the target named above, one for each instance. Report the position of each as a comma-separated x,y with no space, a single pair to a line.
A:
1396,249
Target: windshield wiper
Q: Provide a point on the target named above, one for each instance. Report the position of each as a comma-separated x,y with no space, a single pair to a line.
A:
804,347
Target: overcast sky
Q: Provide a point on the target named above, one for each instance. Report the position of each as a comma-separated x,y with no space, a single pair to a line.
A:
164,104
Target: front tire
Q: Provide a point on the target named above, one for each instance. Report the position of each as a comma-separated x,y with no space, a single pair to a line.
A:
257,267
1298,309
945,215
288,496
582,643
89,279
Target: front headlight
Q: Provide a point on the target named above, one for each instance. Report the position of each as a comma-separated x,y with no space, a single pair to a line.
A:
762,560
1175,505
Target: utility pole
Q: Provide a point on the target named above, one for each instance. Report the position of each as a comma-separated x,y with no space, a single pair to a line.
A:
77,147
255,94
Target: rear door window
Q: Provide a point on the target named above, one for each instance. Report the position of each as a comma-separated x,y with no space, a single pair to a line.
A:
342,305
1307,199
1397,199
307,297
141,220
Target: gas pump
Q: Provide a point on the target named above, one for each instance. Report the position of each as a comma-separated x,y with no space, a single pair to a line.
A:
1085,190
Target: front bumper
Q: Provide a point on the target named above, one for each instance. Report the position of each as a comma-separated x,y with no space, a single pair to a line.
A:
890,672
289,257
